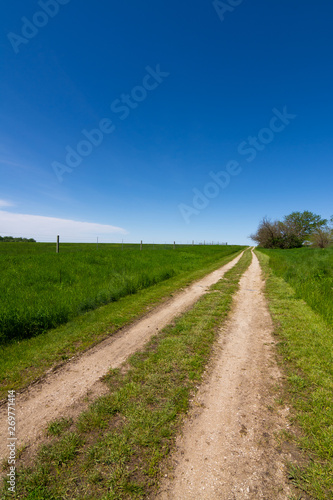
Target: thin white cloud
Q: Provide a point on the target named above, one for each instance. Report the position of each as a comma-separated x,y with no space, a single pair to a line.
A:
47,228
14,164
5,203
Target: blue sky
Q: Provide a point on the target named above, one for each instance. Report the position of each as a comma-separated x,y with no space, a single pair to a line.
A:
197,118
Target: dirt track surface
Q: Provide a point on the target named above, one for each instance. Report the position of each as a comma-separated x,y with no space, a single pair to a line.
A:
227,449
62,393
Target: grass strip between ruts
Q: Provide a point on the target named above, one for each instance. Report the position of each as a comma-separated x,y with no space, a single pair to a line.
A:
115,449
305,350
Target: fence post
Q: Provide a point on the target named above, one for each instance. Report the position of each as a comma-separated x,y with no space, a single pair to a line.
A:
141,245
57,247
174,245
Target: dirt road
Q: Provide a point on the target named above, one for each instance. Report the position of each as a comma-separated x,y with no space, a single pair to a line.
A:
62,393
227,449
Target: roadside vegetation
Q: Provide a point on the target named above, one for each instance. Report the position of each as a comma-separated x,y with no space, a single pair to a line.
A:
23,361
310,272
115,449
299,286
41,289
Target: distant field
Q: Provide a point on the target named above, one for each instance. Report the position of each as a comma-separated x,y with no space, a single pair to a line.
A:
310,272
41,289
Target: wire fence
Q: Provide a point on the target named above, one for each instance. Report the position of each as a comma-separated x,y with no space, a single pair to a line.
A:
57,245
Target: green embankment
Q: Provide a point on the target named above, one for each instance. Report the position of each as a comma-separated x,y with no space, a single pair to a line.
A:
302,312
40,289
310,272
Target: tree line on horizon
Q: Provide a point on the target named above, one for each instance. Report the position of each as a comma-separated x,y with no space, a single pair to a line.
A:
294,231
12,239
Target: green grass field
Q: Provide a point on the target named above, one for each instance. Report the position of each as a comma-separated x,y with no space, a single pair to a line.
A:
299,288
310,272
41,290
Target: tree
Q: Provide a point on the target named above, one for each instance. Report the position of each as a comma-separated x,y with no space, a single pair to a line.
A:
321,237
292,232
11,239
303,224
270,234
267,233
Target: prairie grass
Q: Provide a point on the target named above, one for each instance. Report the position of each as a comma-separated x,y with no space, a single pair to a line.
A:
40,289
310,272
305,346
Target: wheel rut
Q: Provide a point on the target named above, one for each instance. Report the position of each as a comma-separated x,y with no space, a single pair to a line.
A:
227,449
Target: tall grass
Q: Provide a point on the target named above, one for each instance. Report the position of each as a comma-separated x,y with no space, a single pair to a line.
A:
305,346
310,272
40,289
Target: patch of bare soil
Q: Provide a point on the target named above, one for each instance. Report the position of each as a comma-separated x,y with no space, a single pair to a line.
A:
63,393
227,449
